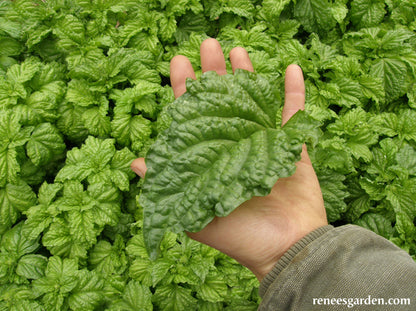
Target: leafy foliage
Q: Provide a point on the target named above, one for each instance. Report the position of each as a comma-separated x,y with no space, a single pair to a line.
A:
82,85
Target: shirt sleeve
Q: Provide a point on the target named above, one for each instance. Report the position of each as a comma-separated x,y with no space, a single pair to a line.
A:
342,268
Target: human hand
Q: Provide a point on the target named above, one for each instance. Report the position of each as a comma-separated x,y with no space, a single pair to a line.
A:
262,229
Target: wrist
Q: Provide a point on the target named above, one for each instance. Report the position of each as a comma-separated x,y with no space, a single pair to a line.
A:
268,274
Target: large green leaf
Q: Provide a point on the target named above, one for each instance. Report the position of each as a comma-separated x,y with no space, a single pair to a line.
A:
222,148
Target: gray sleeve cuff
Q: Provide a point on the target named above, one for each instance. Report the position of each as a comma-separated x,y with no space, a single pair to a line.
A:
285,260
343,262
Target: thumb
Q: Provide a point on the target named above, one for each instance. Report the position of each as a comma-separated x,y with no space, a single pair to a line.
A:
139,167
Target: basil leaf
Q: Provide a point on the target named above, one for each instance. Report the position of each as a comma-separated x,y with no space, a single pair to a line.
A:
222,148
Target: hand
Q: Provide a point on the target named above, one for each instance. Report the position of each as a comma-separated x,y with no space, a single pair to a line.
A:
262,229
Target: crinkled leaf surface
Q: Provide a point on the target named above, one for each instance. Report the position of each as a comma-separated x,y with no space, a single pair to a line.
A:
222,148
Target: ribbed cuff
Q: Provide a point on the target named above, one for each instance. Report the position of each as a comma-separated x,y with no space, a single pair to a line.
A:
285,260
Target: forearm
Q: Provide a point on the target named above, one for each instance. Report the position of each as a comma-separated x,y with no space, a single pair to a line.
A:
342,262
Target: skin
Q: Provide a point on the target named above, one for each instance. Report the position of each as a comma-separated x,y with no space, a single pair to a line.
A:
262,229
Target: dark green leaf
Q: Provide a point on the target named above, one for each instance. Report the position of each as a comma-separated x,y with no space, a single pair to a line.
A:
222,148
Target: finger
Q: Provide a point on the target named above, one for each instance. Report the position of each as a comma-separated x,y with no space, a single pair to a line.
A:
212,57
139,167
240,60
180,70
294,92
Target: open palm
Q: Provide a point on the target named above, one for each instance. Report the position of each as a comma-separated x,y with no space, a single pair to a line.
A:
262,229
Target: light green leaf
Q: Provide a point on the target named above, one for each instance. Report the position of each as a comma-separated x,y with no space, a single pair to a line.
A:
190,23
70,122
21,73
314,15
407,125
334,193
92,158
136,246
14,198
9,46
13,28
44,143
159,270
16,243
360,151
96,121
242,8
367,13
167,27
219,151
406,158
70,31
58,267
174,298
393,73
140,270
32,266
81,227
109,259
88,293
11,136
37,35
58,240
128,129
377,223
135,297
47,192
273,8
79,93
402,198
213,289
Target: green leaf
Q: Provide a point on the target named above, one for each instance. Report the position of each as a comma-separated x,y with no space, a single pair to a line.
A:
16,243
221,149
88,293
44,143
10,47
242,8
167,27
58,240
12,135
32,266
136,246
367,13
174,298
70,31
109,259
38,216
402,198
14,198
273,8
334,193
314,15
96,121
21,73
214,289
393,73
135,297
377,223
59,280
128,129
190,23
406,158
70,122
99,162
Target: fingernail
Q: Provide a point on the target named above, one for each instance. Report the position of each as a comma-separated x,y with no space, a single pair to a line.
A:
138,171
